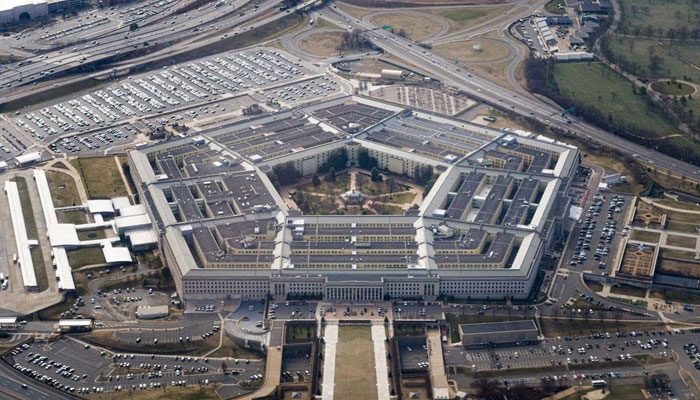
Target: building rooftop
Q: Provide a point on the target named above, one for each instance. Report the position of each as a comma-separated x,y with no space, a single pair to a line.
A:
493,327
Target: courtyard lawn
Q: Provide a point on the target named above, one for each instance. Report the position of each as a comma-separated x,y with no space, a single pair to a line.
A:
101,177
63,190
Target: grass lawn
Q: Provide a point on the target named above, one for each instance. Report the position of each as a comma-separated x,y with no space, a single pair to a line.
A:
658,15
296,333
565,327
645,236
618,392
54,312
464,50
356,12
92,234
322,43
676,59
466,17
101,177
316,205
171,392
494,72
398,198
194,347
628,290
673,89
230,349
683,222
63,190
677,254
675,295
552,7
42,279
594,286
678,204
638,303
688,269
601,88
85,256
681,241
378,188
71,217
341,185
387,209
416,27
355,360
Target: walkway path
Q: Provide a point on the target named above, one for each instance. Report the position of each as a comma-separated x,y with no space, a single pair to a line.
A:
124,180
681,210
330,345
378,336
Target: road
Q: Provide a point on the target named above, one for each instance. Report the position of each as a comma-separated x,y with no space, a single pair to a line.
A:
207,20
501,97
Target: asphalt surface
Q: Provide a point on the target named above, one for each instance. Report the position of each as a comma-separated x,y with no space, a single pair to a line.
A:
501,97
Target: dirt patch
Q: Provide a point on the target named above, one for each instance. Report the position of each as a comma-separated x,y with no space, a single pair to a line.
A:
322,43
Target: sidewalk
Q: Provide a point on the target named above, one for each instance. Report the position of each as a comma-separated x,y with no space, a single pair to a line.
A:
330,345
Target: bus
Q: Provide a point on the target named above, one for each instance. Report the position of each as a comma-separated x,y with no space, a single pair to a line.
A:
599,383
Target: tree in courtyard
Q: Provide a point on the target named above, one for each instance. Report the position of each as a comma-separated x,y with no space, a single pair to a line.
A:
376,176
391,184
315,180
331,175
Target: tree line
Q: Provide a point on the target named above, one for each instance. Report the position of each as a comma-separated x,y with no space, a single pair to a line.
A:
540,79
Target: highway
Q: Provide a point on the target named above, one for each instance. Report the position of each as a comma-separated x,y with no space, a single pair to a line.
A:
121,41
501,97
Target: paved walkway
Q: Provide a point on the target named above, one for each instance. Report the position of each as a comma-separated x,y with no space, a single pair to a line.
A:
378,336
330,344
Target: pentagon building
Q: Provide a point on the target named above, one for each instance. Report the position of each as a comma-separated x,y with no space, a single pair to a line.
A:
481,231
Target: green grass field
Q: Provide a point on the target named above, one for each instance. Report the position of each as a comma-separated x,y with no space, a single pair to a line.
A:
355,358
645,236
63,189
101,177
670,88
677,59
659,15
85,256
600,87
553,8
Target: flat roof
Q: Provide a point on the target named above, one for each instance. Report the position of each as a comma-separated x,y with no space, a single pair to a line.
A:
496,327
74,322
10,4
22,242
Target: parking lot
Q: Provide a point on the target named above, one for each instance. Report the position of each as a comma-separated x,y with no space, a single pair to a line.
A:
568,351
91,122
597,234
296,363
81,369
